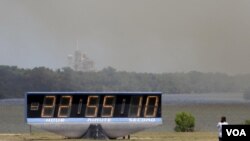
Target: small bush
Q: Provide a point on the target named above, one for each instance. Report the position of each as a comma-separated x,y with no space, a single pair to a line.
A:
247,122
185,122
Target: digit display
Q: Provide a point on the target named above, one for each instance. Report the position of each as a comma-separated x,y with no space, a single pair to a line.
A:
48,106
108,106
92,106
151,106
135,106
65,106
101,105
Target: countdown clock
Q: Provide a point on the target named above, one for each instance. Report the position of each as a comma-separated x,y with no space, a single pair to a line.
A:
71,114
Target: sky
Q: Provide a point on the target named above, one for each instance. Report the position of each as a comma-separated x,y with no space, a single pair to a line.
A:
153,36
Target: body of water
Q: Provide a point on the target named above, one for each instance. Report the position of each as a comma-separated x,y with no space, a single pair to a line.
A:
208,98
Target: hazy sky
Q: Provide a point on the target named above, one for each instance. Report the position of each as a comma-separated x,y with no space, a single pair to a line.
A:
132,35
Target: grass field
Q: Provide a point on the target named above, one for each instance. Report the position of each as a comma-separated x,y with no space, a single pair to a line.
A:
143,136
14,128
207,116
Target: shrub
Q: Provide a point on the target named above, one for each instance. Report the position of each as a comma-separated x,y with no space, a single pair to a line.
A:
247,122
185,122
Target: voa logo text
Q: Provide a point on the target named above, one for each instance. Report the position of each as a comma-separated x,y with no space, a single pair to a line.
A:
236,132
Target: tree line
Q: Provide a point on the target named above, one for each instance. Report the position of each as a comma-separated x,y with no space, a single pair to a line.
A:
15,82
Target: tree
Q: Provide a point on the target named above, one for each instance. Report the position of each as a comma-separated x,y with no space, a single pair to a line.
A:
14,81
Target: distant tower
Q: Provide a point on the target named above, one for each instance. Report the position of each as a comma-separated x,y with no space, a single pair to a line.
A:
77,60
80,62
70,60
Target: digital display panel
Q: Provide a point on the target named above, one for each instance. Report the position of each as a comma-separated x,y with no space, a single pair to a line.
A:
101,105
